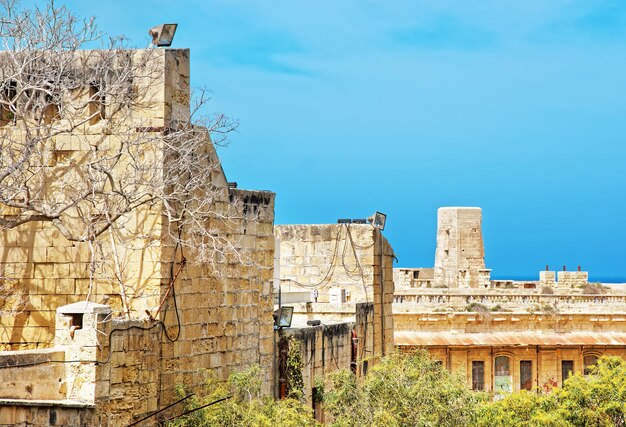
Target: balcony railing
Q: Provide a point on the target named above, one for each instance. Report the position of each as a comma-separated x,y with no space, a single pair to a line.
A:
510,301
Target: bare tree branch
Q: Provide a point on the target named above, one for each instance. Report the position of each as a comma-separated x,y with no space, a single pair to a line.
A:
76,153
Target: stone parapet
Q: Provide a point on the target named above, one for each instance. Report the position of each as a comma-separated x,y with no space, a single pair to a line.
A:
572,279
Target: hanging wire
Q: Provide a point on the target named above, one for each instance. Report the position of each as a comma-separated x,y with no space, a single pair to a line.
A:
328,274
97,362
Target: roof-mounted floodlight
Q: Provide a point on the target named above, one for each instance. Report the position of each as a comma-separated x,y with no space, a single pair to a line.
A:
283,317
378,220
162,35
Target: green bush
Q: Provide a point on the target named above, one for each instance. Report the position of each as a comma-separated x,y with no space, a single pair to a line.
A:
596,400
401,390
246,408
407,390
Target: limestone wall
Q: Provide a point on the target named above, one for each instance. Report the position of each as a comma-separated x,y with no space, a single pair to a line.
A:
323,256
509,322
128,383
572,279
48,270
546,363
409,278
460,252
225,315
356,258
39,379
329,347
547,278
43,414
383,295
324,349
217,312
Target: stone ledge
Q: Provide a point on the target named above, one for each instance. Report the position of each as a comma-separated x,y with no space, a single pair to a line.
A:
47,403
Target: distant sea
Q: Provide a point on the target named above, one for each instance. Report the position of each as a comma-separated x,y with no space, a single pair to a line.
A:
592,279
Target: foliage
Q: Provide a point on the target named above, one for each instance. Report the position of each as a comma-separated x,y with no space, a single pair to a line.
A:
549,309
295,382
477,307
401,390
83,151
594,289
246,408
598,400
520,409
414,390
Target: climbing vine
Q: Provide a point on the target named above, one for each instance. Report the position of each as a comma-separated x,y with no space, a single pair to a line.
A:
295,382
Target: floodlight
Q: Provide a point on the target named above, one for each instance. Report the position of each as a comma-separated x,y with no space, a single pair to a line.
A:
162,35
283,317
378,220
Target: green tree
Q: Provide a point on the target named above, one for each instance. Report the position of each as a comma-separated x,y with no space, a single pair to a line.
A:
598,399
414,390
295,382
401,390
246,408
524,409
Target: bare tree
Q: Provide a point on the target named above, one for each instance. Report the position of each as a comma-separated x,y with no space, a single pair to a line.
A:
76,153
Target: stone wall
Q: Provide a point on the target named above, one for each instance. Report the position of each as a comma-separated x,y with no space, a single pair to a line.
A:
356,258
460,252
45,414
50,271
325,256
38,379
130,379
226,317
546,362
409,320
409,278
547,278
324,349
517,300
329,347
572,279
214,316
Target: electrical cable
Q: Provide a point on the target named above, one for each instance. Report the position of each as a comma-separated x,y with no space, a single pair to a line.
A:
182,254
198,408
161,410
358,263
97,362
328,274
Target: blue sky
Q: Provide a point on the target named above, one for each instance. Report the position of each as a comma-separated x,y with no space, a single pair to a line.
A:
347,107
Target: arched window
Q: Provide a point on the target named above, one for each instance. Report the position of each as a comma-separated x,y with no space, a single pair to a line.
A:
589,361
502,374
502,366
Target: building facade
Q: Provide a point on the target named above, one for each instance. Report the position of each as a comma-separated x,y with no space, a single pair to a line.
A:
503,335
106,340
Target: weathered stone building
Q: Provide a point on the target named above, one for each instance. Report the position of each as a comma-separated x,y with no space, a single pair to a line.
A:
503,335
338,280
82,352
331,337
460,254
339,264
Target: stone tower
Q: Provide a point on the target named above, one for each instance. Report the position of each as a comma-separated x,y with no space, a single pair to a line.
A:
460,254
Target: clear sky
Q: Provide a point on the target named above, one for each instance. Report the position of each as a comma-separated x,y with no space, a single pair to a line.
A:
347,107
